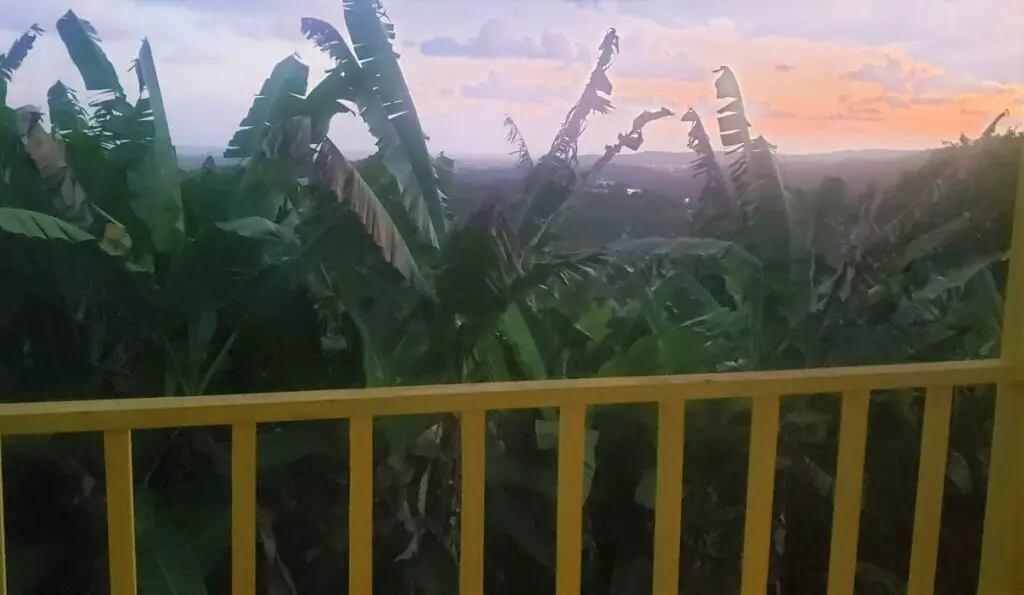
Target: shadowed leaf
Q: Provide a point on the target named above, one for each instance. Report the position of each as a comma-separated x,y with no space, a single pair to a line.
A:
83,45
155,183
31,224
279,97
12,60
335,174
351,82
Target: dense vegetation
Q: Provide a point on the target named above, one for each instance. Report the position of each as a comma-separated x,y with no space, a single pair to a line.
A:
122,275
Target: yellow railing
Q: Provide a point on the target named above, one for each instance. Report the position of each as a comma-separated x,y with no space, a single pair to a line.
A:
117,419
1002,564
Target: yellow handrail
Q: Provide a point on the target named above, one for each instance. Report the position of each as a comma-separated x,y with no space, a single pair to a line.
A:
224,410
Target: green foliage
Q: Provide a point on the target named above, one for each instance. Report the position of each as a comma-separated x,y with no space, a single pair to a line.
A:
67,116
31,224
154,183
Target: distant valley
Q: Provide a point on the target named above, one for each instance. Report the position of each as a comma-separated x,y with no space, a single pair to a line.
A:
646,193
662,170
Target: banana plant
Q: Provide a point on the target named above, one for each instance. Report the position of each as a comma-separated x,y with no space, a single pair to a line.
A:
371,81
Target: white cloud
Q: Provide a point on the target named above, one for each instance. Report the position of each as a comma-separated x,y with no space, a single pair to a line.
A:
498,39
976,37
499,86
643,58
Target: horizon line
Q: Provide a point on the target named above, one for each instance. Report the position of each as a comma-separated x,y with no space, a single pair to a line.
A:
201,149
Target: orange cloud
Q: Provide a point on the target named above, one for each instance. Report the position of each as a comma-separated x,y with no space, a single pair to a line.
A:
825,96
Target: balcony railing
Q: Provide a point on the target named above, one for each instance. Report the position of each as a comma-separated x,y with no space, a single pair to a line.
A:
1002,564
117,419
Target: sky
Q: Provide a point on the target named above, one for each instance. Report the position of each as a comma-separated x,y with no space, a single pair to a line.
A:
817,75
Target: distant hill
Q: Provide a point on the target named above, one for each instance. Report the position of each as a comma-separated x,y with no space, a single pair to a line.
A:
665,172
671,159
668,185
799,165
191,156
670,173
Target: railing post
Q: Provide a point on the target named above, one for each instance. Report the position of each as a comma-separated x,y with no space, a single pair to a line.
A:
1002,553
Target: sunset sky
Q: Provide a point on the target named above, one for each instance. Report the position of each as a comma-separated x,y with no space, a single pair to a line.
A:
818,75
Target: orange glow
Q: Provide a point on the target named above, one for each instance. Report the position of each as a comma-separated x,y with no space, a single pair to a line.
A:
804,95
